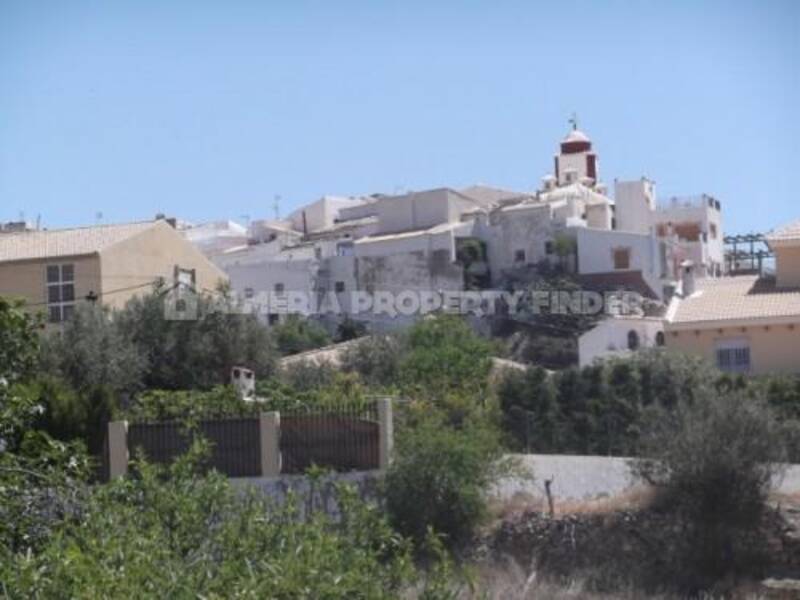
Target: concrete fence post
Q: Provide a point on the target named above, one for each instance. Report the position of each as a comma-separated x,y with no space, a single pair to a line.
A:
386,434
117,449
269,425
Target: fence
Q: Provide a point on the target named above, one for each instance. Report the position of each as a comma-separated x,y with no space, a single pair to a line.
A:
235,443
345,438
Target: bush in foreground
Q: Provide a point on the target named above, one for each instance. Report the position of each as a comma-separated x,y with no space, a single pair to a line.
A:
439,480
176,534
714,460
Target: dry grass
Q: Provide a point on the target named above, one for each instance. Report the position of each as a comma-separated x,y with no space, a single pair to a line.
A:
511,582
635,498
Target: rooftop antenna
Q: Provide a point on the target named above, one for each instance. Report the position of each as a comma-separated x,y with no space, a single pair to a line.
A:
573,120
276,206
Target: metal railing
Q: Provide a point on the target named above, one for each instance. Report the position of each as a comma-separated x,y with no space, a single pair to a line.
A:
235,443
343,438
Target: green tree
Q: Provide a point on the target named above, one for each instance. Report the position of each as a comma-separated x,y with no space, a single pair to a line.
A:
439,478
197,353
297,334
90,351
714,458
445,357
19,344
377,359
530,412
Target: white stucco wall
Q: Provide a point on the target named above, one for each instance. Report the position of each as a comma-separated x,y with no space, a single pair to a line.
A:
420,210
525,227
596,250
635,203
610,338
710,251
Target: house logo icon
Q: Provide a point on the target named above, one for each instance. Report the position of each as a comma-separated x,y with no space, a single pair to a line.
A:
181,304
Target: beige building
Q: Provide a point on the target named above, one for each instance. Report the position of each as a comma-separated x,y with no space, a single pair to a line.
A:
54,270
744,324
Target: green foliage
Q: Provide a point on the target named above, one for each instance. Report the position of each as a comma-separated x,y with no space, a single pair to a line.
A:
189,405
195,354
18,360
178,534
224,401
530,413
349,329
90,351
68,414
714,458
439,478
445,356
376,359
305,375
42,484
298,335
18,342
598,409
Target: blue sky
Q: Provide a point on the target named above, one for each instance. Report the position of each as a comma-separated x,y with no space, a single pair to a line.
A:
207,110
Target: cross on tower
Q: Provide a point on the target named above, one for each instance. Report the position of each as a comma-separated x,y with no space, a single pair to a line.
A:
573,120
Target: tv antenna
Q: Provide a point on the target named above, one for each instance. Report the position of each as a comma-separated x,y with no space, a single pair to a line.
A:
276,206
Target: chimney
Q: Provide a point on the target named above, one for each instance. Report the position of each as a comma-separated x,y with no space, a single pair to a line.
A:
687,278
244,380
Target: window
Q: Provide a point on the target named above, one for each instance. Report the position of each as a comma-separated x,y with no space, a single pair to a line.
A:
60,292
633,340
548,247
660,338
733,355
249,292
712,230
318,253
519,256
278,288
622,258
273,318
339,287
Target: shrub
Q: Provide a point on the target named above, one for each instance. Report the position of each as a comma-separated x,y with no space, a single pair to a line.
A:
349,329
90,351
439,479
69,415
195,354
714,460
174,533
298,335
600,408
528,403
445,355
308,374
376,359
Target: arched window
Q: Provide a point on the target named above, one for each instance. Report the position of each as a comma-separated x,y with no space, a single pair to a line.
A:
633,340
660,338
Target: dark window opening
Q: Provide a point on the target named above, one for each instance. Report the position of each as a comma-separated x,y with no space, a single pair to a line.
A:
633,340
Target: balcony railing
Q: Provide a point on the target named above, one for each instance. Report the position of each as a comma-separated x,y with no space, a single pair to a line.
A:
696,201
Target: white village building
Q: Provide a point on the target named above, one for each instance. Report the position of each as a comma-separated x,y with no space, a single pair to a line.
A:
417,240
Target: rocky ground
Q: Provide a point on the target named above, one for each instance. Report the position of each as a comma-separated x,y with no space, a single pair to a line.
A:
641,548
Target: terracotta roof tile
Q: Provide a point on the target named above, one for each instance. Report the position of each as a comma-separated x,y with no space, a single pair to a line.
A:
735,299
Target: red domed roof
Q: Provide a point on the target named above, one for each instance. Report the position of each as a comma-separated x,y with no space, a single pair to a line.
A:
576,141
